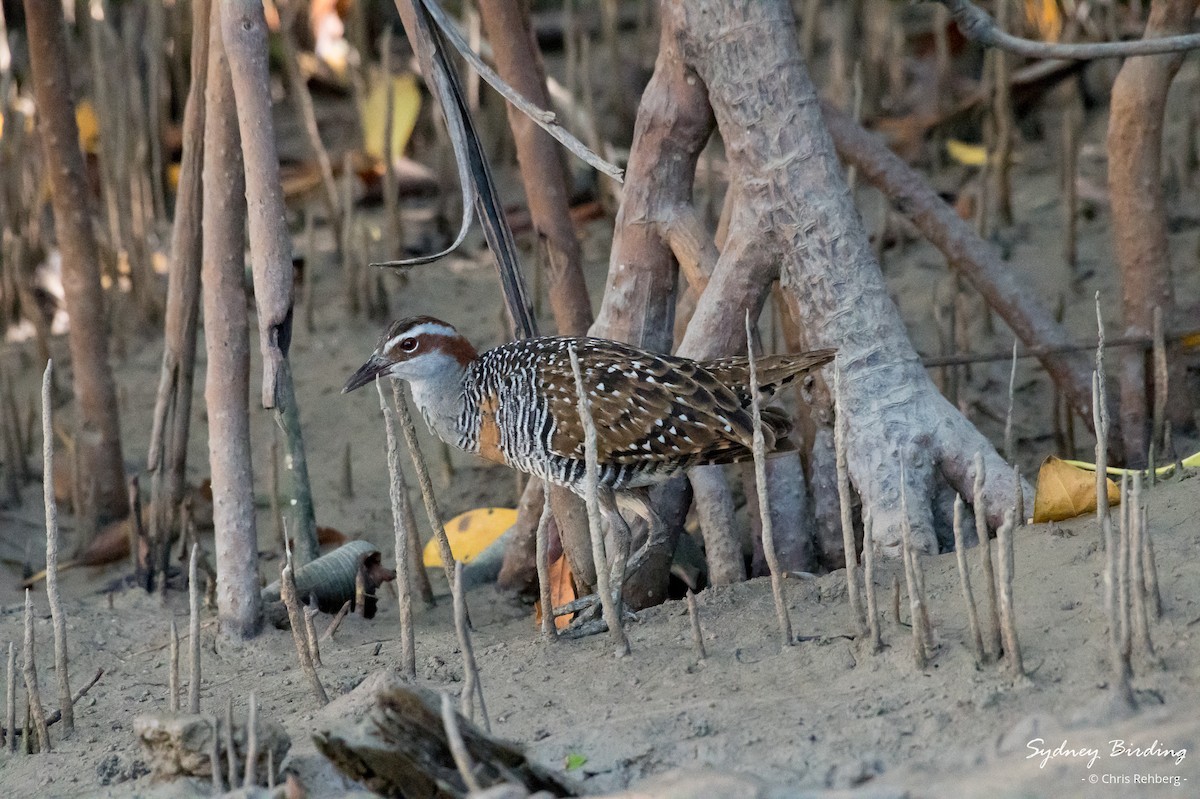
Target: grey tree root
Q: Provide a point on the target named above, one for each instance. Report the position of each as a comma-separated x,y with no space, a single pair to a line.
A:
843,486
1100,422
869,582
31,684
1008,622
10,699
287,591
214,758
1118,654
964,578
401,517
471,685
915,600
193,631
612,613
458,749
173,669
542,557
57,615
992,634
1150,566
697,633
251,777
760,481
230,751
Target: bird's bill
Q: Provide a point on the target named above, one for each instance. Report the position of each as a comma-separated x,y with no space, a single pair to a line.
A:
370,370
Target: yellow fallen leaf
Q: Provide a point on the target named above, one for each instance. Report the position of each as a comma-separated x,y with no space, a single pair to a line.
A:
470,533
407,104
966,154
1065,491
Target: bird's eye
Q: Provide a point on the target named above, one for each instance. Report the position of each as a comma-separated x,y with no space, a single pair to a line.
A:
408,344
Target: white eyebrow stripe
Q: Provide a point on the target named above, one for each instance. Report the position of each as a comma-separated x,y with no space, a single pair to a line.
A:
423,329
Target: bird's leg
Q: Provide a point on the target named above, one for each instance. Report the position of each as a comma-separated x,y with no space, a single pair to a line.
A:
638,501
621,540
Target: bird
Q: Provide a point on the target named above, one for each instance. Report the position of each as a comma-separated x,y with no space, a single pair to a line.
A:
656,415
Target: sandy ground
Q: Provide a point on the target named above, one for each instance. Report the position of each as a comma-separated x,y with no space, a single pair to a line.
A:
822,715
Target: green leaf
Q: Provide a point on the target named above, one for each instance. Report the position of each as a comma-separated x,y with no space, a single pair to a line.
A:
575,761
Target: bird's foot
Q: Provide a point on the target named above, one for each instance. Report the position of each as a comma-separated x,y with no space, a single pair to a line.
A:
589,618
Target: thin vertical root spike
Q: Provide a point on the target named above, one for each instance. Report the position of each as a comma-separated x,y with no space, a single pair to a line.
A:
964,579
1008,621
843,484
612,612
194,631
764,509
472,688
401,519
992,635
458,749
697,633
869,582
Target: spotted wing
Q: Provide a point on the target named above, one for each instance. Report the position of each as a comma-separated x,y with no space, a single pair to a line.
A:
646,407
774,371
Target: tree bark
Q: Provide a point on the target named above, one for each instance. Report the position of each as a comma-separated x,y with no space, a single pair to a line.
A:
547,190
92,378
967,254
1139,219
795,209
227,342
542,171
244,28
173,406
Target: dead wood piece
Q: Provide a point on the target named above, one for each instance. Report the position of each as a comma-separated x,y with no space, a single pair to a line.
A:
183,745
400,748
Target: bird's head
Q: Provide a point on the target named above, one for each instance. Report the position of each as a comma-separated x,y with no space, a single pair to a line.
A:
417,348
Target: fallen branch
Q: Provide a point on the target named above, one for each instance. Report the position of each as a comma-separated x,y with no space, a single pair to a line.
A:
979,26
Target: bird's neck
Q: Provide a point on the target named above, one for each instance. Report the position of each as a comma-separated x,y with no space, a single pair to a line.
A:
439,397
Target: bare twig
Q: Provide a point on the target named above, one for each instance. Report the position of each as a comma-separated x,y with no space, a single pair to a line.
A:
896,598
336,622
194,631
472,688
1161,385
612,612
458,749
978,26
542,557
310,630
841,422
697,634
57,615
401,518
31,684
1012,647
287,591
427,495
764,509
542,118
964,577
961,358
985,550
